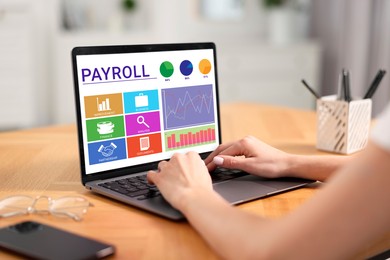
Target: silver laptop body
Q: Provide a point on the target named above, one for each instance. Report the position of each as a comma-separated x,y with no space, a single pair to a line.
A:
139,104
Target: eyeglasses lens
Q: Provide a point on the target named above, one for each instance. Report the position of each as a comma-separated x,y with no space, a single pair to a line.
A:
15,205
74,207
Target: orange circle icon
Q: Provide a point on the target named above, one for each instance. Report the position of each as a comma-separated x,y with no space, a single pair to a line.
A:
205,66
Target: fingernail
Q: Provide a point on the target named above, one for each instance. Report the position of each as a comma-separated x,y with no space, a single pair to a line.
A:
218,160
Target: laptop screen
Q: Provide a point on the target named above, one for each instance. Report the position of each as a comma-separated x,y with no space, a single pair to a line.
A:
141,104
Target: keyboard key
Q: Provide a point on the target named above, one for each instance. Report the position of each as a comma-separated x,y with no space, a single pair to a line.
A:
120,190
137,186
223,174
138,193
151,194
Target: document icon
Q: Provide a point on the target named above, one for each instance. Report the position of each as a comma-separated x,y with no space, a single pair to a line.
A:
144,143
141,100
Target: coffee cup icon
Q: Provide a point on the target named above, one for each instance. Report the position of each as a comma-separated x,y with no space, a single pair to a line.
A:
106,127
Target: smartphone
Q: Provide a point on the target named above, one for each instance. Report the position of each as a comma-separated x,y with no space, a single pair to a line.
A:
40,241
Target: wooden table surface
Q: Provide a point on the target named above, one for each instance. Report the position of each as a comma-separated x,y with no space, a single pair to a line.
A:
44,161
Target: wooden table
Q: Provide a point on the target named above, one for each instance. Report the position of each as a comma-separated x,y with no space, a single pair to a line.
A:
44,161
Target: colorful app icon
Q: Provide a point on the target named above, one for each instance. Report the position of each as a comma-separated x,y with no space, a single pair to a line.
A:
105,128
103,105
140,101
142,123
144,145
107,151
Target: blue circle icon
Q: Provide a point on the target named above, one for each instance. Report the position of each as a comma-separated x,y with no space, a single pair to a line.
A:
186,67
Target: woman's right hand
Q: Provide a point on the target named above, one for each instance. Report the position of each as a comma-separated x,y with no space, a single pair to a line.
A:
250,155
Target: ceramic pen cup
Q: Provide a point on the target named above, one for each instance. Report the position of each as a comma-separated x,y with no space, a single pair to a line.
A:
343,127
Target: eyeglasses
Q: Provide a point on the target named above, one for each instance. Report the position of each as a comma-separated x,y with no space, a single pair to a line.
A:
70,206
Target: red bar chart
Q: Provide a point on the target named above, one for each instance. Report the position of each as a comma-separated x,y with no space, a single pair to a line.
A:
189,137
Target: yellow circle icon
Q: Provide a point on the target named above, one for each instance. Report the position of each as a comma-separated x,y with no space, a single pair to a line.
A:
205,66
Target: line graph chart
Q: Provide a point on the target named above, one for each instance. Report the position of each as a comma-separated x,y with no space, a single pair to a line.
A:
188,106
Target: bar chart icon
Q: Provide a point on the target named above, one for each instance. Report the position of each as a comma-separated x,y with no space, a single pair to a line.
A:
104,105
190,137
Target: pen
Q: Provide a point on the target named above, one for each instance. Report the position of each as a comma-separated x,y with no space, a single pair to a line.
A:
310,89
375,83
347,94
340,88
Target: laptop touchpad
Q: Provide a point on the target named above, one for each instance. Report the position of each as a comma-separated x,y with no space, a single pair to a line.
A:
242,189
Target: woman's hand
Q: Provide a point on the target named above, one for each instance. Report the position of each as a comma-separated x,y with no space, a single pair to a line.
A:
251,155
185,175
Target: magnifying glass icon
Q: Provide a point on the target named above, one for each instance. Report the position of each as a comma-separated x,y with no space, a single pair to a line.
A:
141,121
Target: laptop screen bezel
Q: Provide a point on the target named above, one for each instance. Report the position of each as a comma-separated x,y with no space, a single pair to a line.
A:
117,49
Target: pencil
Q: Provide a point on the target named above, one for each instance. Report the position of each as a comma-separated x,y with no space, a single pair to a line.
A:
347,91
310,89
375,83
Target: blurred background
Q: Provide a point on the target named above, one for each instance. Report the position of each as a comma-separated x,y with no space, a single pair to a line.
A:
264,48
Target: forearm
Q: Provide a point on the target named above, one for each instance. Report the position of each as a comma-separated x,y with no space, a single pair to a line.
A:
343,210
319,167
351,212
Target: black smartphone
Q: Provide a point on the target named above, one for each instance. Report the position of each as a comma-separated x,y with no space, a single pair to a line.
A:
40,241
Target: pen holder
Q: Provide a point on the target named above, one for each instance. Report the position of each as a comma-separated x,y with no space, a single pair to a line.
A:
342,127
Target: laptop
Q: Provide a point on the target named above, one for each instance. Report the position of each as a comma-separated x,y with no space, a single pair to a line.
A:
139,104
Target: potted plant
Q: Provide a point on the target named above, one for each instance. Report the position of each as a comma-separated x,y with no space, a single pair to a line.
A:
280,21
128,7
273,3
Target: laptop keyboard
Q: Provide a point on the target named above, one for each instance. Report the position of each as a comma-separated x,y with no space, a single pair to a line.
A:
136,186
223,174
139,187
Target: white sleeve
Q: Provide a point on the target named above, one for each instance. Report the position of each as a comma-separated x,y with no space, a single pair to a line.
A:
381,131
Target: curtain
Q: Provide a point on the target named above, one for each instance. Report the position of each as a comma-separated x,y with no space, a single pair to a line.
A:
355,35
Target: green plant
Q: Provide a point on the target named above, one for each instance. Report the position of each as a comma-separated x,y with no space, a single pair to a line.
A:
129,5
273,3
